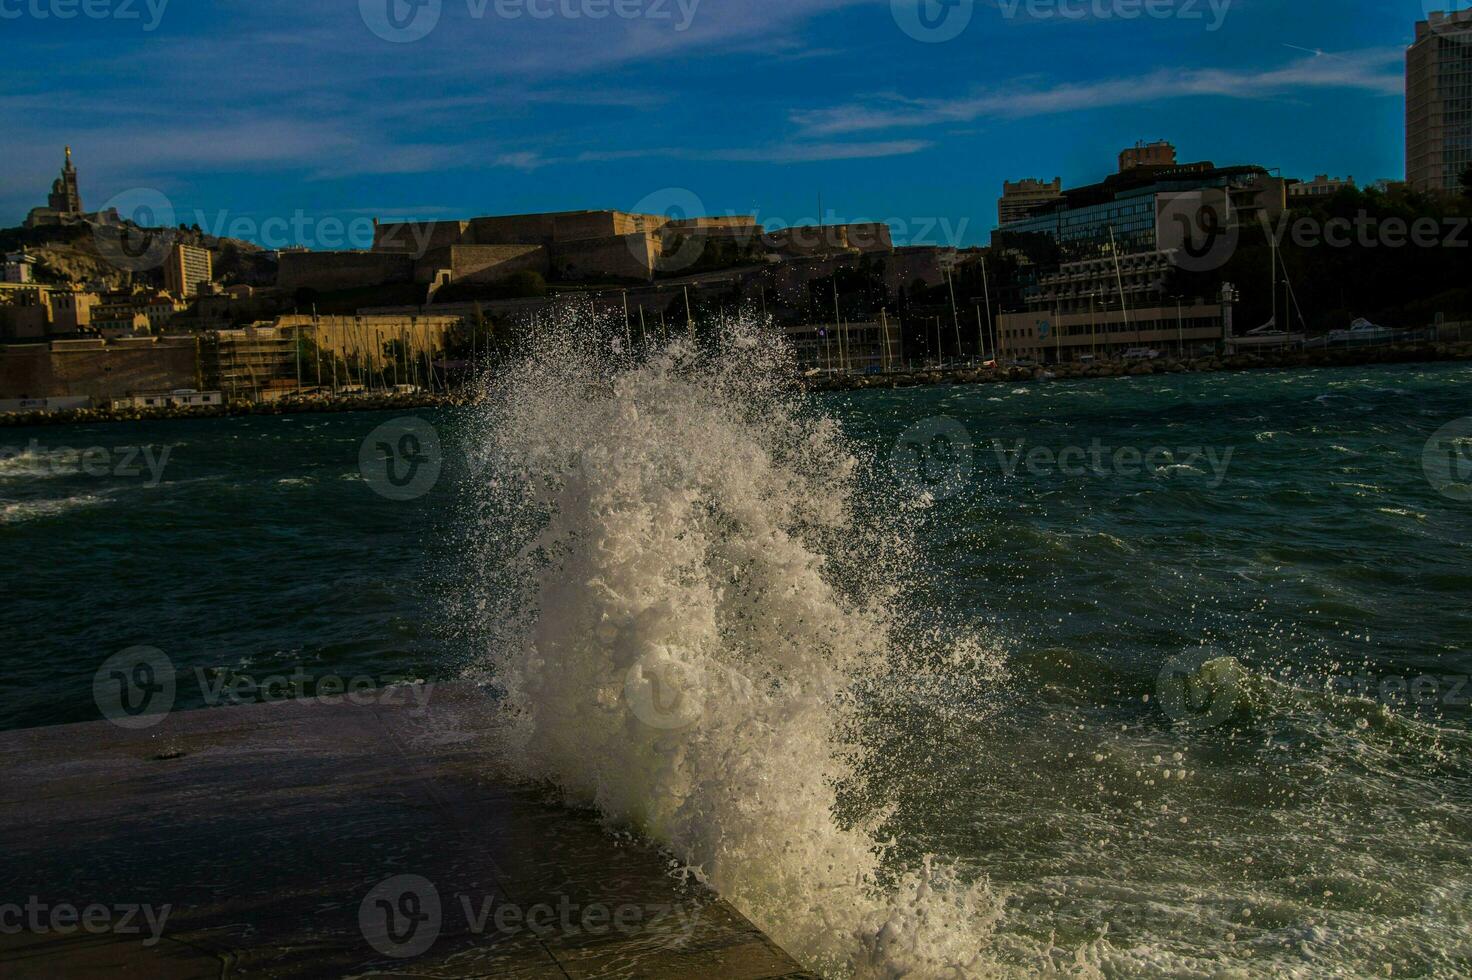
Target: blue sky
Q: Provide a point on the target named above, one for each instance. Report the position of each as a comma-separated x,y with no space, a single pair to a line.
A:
240,111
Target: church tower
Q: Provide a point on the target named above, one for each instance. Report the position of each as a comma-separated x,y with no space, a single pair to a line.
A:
65,197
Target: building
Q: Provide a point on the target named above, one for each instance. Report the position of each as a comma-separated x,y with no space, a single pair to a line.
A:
1103,307
1117,244
382,343
112,322
161,309
24,313
571,245
1047,337
1321,186
66,197
1157,154
248,362
1025,198
863,237
180,398
64,203
618,246
34,311
1439,102
18,266
1078,287
1123,213
71,309
1108,287
863,348
300,353
188,269
134,313
96,369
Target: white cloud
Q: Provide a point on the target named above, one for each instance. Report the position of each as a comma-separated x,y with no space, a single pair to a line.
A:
1367,71
794,152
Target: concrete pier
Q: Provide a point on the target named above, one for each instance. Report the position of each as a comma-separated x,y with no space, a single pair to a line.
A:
327,838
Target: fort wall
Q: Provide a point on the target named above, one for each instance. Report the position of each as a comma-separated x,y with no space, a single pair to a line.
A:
621,257
97,370
331,271
482,263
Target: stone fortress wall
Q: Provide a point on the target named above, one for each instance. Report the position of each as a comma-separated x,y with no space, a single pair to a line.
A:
565,245
330,271
98,370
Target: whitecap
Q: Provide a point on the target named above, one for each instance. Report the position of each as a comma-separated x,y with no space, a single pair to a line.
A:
21,511
686,600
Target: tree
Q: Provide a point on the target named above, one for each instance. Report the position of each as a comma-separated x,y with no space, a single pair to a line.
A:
524,284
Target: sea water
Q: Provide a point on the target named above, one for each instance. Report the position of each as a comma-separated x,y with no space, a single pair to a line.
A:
1152,676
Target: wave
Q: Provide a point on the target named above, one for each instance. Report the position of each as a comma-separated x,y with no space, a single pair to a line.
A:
21,511
30,464
694,590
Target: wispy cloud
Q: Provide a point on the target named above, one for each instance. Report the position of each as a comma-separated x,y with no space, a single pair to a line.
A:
795,152
1370,71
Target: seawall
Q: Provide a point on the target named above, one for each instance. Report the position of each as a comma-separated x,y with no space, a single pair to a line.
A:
1288,360
331,837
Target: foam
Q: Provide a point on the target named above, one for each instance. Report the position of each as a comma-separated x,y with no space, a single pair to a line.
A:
694,607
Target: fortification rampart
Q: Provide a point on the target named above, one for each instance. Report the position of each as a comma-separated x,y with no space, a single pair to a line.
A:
330,271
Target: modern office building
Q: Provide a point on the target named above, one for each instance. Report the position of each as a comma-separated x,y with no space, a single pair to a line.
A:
1077,310
1122,213
1119,243
187,268
1025,198
1439,102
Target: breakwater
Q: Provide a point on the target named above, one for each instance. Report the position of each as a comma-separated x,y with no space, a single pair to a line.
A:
283,406
965,374
114,818
1069,371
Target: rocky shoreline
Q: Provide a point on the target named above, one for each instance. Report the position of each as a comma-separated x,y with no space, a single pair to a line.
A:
284,406
1286,360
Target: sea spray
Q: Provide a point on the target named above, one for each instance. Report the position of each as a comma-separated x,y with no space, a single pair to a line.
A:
693,603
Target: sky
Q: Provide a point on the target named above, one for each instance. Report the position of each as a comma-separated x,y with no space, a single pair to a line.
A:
298,121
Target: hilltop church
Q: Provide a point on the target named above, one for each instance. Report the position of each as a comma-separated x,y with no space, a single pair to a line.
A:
64,205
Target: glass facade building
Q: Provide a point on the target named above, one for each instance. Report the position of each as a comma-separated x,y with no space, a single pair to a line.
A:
1439,102
1129,207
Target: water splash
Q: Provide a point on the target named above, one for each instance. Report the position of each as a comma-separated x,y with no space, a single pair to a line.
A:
694,601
